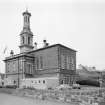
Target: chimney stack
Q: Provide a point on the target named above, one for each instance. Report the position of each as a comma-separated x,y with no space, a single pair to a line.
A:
11,53
47,44
44,41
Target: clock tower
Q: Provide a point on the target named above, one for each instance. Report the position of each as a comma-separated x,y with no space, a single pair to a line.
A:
26,36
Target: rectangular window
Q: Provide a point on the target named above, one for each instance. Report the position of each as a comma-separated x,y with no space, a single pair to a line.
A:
65,61
39,81
43,81
21,65
72,63
41,62
37,63
29,68
68,62
62,61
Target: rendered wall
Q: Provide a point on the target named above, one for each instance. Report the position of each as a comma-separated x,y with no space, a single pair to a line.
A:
39,84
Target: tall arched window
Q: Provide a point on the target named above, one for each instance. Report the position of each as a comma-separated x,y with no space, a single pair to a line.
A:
28,40
26,18
23,40
41,62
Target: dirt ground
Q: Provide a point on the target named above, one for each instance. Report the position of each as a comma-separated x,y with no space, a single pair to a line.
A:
6,99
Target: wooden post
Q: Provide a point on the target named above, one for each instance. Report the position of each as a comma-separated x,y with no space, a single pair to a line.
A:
18,72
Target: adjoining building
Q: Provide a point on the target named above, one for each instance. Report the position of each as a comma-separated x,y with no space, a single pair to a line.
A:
88,76
49,61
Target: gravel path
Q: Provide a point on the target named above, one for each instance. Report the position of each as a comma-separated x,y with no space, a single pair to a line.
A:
6,99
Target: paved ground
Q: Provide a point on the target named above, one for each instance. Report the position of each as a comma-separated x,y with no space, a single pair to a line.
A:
6,99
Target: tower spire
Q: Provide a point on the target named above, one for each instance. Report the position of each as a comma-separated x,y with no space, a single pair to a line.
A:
26,35
26,16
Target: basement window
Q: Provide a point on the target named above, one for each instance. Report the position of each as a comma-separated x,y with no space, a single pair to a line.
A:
43,81
35,81
39,81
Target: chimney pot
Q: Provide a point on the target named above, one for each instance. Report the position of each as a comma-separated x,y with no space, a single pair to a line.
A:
11,53
35,45
44,41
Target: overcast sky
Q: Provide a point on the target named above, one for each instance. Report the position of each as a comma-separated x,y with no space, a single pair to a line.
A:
78,24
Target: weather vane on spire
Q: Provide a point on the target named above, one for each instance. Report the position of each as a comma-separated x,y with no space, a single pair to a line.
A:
26,8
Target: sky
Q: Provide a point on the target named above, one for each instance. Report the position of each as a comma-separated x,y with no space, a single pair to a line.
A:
78,24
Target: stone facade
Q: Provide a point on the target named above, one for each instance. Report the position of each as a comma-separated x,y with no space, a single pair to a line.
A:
56,60
44,62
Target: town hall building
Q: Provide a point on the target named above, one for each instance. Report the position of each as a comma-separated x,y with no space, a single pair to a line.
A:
49,61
